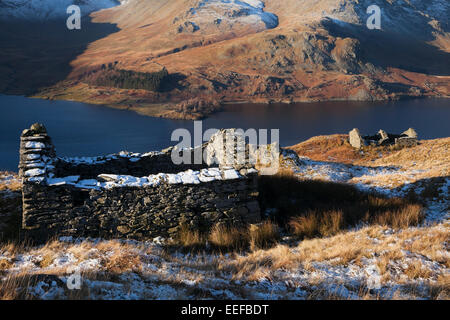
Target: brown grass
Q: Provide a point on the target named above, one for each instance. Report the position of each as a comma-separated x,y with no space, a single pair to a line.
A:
305,226
350,247
335,148
123,261
12,287
410,215
263,235
47,259
227,238
5,264
13,184
427,162
416,270
428,154
313,208
190,239
388,248
315,224
16,286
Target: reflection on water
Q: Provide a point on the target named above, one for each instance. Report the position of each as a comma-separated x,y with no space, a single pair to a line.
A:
298,122
81,129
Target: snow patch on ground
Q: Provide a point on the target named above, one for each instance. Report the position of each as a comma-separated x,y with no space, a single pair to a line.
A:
383,180
244,11
165,275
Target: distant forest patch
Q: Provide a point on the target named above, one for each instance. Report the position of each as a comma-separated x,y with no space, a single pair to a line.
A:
110,76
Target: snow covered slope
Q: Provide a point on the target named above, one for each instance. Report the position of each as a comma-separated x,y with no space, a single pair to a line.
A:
49,9
210,16
414,17
265,50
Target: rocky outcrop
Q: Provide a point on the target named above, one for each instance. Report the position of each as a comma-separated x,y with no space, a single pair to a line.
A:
356,139
138,196
409,138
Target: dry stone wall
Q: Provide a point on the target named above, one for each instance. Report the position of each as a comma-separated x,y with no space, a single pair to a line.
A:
408,138
137,196
124,163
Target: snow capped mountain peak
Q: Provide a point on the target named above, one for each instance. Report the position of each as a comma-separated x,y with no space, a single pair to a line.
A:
49,9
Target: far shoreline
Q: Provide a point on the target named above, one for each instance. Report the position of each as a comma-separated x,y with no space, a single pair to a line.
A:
165,109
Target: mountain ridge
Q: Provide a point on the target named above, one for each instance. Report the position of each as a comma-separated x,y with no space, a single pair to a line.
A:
266,51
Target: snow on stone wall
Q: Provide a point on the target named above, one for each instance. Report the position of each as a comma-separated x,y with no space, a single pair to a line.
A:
138,196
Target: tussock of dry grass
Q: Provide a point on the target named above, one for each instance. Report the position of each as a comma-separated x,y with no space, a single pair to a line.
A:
417,270
5,264
228,238
123,261
190,239
14,286
225,237
263,235
314,224
410,215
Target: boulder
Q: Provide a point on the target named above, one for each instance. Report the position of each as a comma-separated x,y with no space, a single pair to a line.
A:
38,128
410,133
356,139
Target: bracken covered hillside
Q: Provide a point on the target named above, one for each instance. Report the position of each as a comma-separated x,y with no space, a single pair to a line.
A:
261,51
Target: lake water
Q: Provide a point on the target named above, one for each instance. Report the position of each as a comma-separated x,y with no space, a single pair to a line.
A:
79,129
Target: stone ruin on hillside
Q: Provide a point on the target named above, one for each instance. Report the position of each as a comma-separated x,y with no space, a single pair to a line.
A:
382,138
131,195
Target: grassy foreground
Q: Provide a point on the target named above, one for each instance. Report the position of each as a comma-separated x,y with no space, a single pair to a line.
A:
319,240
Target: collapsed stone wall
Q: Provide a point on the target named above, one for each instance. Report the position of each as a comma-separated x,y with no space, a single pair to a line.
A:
124,163
126,195
408,138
